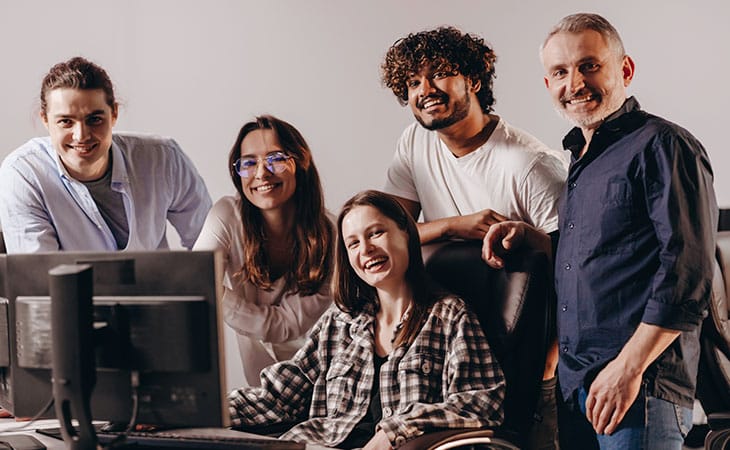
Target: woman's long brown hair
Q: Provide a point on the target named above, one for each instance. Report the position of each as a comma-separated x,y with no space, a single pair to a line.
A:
312,233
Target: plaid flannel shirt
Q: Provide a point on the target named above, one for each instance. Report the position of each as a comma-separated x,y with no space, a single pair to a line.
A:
447,378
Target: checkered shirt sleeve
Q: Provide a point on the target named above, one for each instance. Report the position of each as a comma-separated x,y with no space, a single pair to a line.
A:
286,388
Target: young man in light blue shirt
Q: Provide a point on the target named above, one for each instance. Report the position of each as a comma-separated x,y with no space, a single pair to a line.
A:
84,188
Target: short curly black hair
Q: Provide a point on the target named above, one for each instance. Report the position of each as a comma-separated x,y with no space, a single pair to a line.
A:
444,48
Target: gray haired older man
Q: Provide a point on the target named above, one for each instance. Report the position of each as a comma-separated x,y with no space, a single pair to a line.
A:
634,262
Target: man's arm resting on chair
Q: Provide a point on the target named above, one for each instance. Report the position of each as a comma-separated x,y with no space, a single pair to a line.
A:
505,237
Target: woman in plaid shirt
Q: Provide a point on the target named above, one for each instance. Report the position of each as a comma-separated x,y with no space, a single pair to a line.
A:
394,360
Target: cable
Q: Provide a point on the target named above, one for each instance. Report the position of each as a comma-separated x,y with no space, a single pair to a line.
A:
35,418
135,401
122,437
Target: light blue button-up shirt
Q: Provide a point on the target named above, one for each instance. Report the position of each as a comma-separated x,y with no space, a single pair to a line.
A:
43,208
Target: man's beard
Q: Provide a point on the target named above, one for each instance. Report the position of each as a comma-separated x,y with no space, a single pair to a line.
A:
608,105
461,110
591,121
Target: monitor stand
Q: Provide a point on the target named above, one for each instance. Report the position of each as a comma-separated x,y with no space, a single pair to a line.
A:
74,364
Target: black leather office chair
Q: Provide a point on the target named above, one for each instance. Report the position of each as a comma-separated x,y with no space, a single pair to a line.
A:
713,381
515,308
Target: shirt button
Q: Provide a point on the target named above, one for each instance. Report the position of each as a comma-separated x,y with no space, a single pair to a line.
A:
426,368
387,412
564,308
400,440
571,225
565,349
567,267
572,185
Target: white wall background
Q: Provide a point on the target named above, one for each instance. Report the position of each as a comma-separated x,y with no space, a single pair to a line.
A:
197,70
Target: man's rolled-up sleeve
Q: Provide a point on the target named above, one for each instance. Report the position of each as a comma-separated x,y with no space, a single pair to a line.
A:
682,206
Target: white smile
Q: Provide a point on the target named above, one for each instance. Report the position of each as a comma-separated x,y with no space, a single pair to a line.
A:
82,148
580,100
375,262
265,187
431,103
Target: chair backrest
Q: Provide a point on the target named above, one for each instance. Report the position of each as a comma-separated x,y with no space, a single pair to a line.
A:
516,309
723,222
713,381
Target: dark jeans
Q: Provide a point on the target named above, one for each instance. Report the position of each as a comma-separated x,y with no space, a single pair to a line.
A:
544,432
576,433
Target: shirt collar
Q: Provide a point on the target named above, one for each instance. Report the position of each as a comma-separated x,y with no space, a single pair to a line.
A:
574,140
362,320
51,151
119,168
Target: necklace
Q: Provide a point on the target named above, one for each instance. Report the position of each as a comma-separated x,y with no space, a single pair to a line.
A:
403,318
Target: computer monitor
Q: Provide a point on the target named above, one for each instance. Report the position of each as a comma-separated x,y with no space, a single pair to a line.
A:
155,315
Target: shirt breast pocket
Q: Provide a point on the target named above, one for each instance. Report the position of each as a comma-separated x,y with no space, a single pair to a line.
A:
340,379
609,225
419,377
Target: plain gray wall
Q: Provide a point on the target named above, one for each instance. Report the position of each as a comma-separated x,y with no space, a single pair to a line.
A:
197,70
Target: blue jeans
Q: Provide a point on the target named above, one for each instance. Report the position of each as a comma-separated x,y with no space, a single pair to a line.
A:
650,423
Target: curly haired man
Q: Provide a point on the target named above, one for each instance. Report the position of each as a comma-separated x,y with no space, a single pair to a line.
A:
462,166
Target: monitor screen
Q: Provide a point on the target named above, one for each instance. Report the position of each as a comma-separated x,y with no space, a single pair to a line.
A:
155,321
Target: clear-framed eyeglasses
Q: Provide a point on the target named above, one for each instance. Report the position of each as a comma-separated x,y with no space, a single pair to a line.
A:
276,162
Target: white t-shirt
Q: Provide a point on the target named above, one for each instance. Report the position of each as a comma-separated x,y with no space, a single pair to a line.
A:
270,325
513,174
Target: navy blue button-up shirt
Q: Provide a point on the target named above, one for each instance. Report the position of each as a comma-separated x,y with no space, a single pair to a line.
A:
637,244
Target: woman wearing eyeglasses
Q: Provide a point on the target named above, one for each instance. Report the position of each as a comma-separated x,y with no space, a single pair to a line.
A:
276,239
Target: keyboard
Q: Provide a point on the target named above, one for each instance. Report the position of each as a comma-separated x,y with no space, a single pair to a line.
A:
187,439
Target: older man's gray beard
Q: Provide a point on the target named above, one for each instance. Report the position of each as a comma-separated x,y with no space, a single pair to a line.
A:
611,101
592,121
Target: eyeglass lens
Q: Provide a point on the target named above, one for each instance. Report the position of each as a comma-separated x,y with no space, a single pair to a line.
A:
274,163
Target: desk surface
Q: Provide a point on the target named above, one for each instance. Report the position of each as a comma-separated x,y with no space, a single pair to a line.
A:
10,426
